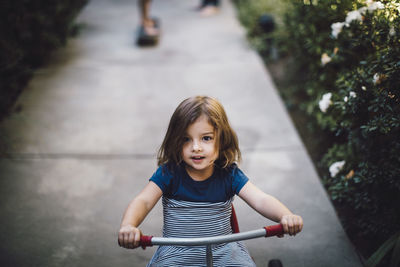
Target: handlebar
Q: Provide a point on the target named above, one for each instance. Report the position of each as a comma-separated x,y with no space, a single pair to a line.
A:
267,231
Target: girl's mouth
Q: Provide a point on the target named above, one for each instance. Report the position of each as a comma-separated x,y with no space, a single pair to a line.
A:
197,158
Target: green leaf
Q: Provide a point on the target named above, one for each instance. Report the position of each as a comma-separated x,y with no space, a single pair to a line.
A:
382,251
395,261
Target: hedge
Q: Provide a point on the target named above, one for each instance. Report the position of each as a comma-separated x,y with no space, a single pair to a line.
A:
30,30
345,66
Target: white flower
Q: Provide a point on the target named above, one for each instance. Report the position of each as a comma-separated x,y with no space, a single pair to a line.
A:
335,168
375,80
353,15
325,59
380,5
375,5
337,28
364,88
392,31
363,10
369,2
325,102
351,94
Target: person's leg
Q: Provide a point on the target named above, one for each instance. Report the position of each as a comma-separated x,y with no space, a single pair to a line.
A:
147,23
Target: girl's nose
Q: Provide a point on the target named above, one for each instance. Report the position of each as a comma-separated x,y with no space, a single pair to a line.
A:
196,147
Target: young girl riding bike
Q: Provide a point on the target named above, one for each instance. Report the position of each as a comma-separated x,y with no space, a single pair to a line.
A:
197,179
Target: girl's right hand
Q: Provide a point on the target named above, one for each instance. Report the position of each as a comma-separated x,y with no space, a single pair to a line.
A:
129,236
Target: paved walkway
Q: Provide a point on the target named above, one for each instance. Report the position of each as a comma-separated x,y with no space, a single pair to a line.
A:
85,141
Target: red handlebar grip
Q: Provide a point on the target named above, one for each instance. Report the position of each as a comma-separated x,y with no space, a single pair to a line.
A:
274,230
145,241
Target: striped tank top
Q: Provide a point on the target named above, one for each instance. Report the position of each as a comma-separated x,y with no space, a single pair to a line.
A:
198,219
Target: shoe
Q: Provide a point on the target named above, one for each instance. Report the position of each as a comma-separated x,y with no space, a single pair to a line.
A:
146,39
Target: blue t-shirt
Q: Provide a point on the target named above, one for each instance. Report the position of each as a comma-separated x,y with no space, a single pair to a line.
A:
221,186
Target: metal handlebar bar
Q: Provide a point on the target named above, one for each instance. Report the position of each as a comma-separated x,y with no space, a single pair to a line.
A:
267,231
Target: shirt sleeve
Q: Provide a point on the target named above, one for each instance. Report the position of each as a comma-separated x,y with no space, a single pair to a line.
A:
162,178
239,179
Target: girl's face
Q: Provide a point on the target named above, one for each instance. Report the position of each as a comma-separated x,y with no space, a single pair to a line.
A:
199,149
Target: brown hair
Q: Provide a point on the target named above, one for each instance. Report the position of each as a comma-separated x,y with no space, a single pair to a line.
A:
188,111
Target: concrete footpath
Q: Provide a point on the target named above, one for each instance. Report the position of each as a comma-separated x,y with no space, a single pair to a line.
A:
84,141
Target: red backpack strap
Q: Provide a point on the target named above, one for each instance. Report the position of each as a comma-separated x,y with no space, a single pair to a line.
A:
234,221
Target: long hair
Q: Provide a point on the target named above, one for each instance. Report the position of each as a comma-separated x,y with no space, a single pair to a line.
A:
186,114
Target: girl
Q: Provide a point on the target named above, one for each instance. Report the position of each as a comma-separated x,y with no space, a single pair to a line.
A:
197,178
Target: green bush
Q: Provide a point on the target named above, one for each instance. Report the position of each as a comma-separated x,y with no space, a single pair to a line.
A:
366,113
350,52
30,30
249,13
346,64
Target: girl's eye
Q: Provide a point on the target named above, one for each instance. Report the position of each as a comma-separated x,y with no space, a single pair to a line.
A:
185,139
207,138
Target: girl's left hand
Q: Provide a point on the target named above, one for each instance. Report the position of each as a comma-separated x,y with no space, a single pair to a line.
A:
292,224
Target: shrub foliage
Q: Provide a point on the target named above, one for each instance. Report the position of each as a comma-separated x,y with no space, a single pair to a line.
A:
346,56
350,53
29,30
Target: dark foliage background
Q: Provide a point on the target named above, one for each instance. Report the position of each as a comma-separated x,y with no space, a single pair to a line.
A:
343,86
30,30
